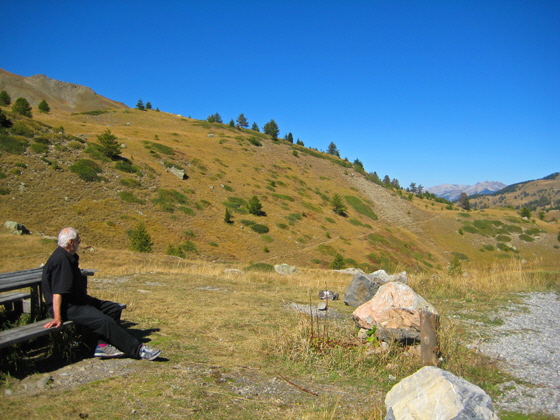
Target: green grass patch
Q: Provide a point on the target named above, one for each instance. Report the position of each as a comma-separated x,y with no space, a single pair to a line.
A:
526,238
130,198
361,207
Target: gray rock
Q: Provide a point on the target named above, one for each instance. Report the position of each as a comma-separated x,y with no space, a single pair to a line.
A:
328,295
361,289
17,228
179,173
433,393
285,269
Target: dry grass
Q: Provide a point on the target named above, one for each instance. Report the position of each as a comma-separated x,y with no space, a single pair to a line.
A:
226,331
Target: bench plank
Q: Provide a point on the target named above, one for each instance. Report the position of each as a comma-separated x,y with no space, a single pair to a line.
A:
29,332
13,297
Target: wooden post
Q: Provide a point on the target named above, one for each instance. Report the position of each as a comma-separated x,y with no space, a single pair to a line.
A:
429,347
36,302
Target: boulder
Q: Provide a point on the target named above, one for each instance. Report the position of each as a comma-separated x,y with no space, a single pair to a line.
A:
433,393
364,286
17,228
394,306
179,173
361,289
285,269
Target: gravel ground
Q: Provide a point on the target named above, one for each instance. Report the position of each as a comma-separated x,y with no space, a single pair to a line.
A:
527,346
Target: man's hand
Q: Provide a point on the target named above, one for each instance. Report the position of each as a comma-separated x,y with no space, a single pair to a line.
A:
55,323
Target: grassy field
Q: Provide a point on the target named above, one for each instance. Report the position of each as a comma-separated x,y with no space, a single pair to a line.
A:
233,349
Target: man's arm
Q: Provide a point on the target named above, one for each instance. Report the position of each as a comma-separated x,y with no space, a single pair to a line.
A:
57,305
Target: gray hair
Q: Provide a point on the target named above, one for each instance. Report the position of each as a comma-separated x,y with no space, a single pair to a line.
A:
65,235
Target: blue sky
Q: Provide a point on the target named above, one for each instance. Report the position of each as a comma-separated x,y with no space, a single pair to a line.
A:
429,92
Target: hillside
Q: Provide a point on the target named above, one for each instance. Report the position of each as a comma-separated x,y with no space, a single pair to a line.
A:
59,95
540,196
224,168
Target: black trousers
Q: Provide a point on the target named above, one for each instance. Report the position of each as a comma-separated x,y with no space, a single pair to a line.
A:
103,318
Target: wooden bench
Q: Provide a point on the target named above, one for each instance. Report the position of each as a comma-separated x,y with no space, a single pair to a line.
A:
27,279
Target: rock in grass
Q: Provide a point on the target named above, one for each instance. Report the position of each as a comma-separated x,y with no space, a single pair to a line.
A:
433,393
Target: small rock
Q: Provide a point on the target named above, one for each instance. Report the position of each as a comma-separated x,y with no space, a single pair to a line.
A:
322,306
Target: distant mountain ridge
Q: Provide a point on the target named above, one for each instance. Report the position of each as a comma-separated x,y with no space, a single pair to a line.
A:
62,95
452,192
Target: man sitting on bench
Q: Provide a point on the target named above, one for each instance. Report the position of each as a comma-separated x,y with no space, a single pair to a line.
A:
65,292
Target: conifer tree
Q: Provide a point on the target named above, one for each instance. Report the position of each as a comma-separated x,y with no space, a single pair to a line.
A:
140,239
44,107
271,129
255,127
338,263
140,105
338,205
109,144
228,216
332,150
463,201
5,99
22,107
242,121
254,206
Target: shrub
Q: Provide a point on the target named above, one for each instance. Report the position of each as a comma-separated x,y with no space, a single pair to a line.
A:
260,228
39,148
189,246
16,145
4,191
130,182
140,239
166,150
21,128
174,251
126,166
503,238
254,141
130,198
526,238
87,170
338,263
187,210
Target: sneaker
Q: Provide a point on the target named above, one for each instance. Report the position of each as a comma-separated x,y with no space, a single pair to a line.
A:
107,351
149,353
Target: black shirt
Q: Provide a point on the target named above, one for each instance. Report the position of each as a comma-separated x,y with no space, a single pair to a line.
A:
62,276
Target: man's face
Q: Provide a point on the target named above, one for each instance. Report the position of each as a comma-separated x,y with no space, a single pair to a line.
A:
75,244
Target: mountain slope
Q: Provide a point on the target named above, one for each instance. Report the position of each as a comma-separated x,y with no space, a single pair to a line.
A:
225,166
61,95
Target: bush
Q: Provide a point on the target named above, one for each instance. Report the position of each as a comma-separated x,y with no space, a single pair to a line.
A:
39,148
87,170
130,198
338,263
21,128
140,239
189,246
126,166
130,182
260,228
526,238
13,144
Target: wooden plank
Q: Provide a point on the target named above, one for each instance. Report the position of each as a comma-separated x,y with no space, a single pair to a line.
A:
13,297
29,332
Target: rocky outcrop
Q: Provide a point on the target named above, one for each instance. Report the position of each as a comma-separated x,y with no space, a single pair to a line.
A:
364,286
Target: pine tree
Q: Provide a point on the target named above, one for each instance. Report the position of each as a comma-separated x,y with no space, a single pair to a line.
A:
228,216
140,105
44,107
289,137
332,150
242,121
463,201
109,144
4,121
255,127
231,123
338,263
5,99
358,164
338,205
140,239
254,206
271,129
22,107
148,105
